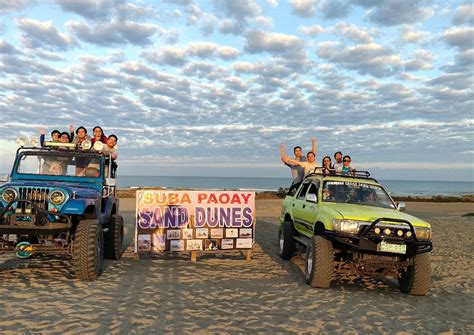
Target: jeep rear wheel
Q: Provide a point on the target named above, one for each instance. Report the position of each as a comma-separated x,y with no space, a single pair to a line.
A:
319,264
287,244
416,280
88,250
114,238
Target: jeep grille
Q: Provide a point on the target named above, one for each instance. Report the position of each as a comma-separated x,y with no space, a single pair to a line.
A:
37,195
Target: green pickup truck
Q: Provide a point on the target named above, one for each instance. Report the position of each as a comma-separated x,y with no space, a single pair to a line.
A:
352,220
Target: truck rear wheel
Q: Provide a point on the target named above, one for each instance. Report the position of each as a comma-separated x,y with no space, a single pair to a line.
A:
114,238
416,280
88,250
287,244
319,264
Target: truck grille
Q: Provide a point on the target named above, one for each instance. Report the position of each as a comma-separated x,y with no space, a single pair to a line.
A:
37,195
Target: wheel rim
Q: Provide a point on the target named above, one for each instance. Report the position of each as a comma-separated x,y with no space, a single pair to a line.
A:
309,263
282,243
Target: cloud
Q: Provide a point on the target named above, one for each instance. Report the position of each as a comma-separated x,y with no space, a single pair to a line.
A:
333,9
230,26
303,8
240,10
260,41
352,32
423,60
114,32
90,9
37,34
8,49
409,35
311,30
273,3
369,58
460,37
178,56
464,14
8,6
396,12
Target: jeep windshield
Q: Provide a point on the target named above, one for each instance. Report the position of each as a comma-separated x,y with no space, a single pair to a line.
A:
52,163
356,193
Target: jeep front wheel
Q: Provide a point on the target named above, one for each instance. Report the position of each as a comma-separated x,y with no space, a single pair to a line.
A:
287,244
88,250
416,280
114,238
319,264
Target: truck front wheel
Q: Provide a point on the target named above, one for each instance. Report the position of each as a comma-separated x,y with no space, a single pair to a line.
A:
287,244
88,250
114,238
319,264
416,280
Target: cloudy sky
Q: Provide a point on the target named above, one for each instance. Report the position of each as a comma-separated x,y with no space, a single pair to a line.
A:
214,87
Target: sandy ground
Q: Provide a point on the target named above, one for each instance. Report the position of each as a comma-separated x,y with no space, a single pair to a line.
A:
226,294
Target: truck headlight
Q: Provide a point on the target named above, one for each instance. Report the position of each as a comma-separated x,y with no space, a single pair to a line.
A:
9,194
423,233
348,226
57,197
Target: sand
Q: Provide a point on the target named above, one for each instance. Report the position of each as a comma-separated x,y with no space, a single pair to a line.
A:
226,294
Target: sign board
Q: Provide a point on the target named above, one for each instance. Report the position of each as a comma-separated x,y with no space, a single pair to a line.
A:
168,220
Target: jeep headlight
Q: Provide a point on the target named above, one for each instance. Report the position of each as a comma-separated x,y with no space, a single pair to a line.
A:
348,226
423,233
9,194
57,197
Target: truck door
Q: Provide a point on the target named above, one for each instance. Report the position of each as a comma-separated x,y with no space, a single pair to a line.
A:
299,205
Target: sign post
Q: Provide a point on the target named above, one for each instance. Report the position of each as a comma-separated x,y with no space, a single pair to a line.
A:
195,221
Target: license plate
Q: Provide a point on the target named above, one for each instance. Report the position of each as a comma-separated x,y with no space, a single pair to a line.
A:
390,247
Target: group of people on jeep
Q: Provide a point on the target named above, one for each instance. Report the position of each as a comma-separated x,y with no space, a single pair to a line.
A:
301,166
78,137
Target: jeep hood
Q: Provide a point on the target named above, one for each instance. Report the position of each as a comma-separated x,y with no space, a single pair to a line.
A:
371,213
81,191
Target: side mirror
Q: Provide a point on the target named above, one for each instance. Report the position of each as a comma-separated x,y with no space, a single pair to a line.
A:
110,181
311,198
401,206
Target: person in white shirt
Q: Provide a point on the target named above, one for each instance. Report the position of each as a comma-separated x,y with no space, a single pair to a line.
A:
309,166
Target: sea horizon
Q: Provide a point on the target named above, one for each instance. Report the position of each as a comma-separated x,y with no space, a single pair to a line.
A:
260,184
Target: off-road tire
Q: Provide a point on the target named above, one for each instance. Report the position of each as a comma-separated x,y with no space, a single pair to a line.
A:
88,250
286,243
416,280
319,263
114,238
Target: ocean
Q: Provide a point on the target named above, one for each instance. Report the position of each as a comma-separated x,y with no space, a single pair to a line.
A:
394,187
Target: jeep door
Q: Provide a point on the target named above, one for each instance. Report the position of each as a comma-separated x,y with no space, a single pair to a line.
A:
304,211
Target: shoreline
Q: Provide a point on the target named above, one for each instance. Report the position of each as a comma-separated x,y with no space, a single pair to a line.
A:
280,194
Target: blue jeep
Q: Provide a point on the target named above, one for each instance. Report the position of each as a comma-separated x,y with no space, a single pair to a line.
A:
62,200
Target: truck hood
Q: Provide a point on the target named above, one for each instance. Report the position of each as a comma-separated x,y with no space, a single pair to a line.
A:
80,191
371,213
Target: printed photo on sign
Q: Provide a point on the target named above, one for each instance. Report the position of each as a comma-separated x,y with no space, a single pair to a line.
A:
144,243
202,233
159,242
217,233
187,234
244,243
233,232
177,245
211,244
194,245
245,232
227,243
173,234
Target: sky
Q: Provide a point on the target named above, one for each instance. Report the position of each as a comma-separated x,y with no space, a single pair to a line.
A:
214,87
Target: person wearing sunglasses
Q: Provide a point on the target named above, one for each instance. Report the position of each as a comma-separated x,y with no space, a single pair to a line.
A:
346,167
